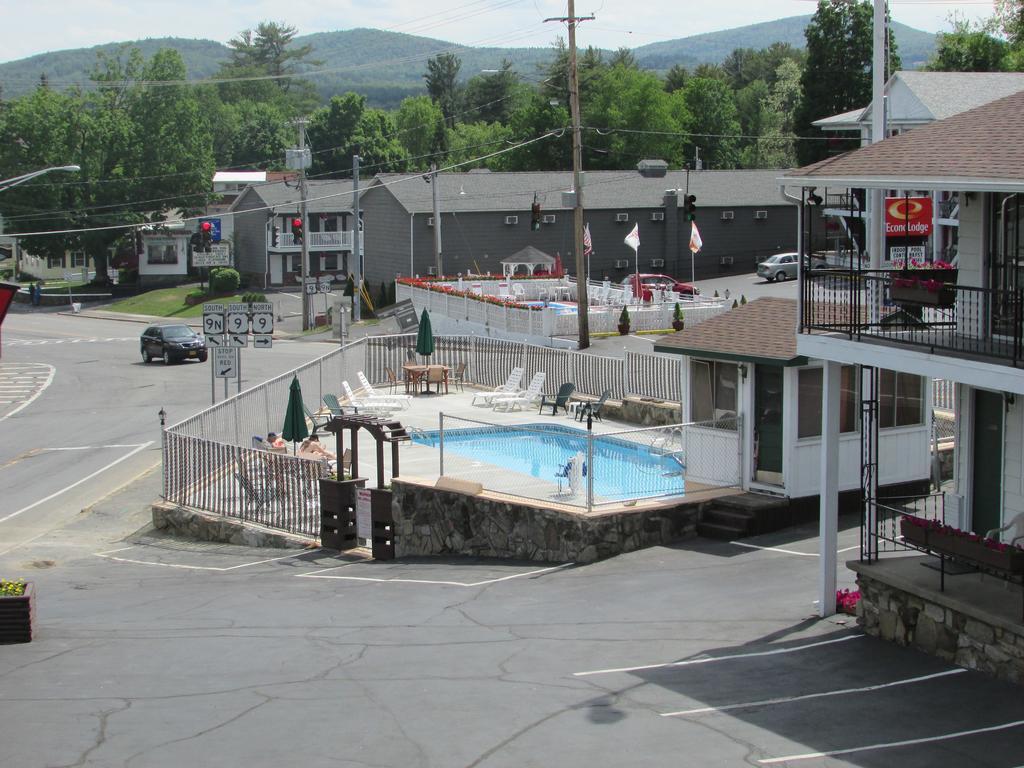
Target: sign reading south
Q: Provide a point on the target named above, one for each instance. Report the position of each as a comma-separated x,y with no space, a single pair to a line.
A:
908,216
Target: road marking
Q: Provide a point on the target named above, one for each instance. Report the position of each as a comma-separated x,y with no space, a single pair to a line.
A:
823,694
40,342
789,551
51,372
711,659
67,488
109,556
891,744
317,575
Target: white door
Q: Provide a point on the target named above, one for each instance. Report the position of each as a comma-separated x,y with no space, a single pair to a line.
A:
276,271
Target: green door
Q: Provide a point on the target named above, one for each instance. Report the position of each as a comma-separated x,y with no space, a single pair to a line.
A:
987,474
768,423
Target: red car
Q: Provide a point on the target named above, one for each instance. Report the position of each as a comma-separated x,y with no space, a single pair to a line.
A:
659,282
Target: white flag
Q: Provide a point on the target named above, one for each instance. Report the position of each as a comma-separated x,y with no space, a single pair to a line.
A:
695,242
633,238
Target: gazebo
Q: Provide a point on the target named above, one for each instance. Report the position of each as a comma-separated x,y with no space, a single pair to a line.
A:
528,257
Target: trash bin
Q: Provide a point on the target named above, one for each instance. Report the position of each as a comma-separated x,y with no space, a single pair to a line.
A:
76,307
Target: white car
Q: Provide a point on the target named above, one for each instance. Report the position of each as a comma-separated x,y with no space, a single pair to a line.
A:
782,266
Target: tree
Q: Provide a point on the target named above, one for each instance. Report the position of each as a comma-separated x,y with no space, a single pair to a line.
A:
442,84
472,140
269,51
968,49
417,122
676,78
492,97
837,75
534,119
715,126
346,127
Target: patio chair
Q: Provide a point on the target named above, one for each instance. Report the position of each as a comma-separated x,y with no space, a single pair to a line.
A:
436,375
331,401
1016,528
594,409
559,400
318,420
392,380
510,387
459,376
518,400
364,404
399,401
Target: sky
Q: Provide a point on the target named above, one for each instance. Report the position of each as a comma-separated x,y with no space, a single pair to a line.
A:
48,25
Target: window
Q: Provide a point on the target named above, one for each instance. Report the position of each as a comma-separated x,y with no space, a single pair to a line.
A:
330,262
161,253
809,388
712,390
296,262
77,259
55,262
900,399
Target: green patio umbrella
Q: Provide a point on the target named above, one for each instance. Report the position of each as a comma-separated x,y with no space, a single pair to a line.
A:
425,336
295,416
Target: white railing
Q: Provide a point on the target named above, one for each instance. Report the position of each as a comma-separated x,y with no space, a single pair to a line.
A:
943,394
341,241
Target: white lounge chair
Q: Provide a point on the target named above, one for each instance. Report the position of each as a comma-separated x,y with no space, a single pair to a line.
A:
510,387
364,404
400,401
530,396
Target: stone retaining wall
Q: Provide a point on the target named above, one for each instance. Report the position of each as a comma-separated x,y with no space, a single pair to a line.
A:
431,521
907,619
194,524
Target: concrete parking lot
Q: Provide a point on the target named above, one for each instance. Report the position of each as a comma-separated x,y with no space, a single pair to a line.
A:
159,652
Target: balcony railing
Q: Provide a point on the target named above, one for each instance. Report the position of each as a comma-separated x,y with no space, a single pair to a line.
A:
331,241
964,321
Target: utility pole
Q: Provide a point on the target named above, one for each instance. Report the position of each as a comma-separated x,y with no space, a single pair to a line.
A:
307,303
582,285
437,219
357,247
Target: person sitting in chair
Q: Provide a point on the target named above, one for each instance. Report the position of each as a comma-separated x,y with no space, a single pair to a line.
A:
311,448
274,440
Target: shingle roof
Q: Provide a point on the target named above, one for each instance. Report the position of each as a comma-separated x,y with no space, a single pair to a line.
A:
763,329
945,94
981,147
328,196
614,190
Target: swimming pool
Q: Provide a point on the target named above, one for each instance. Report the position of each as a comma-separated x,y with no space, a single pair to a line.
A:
560,308
622,470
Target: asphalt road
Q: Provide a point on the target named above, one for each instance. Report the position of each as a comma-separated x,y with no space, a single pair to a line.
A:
79,411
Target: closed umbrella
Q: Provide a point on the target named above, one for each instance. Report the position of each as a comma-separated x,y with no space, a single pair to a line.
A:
295,415
425,338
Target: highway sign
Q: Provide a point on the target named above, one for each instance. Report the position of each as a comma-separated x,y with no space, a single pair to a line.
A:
325,284
262,340
262,322
310,285
225,363
215,340
238,339
238,318
213,318
261,306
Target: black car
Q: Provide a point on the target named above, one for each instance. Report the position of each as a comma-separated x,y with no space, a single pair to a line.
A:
172,343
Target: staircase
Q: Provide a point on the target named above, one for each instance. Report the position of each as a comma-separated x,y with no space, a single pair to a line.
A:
748,514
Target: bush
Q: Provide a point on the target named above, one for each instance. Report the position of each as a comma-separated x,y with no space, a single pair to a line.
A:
126,276
224,280
253,297
624,317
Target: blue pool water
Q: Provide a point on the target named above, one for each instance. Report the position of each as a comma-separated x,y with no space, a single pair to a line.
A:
559,307
622,469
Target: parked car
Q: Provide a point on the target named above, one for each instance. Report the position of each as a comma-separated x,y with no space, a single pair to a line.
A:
659,282
173,343
782,266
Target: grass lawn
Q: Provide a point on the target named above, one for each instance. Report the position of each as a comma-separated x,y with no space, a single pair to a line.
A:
167,302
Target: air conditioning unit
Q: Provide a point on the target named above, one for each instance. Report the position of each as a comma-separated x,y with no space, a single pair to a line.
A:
658,216
728,215
511,219
431,270
657,262
548,218
622,217
621,263
760,214
430,221
725,261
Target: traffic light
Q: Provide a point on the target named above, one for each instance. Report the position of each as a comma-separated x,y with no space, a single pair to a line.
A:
206,233
690,207
297,231
275,231
535,216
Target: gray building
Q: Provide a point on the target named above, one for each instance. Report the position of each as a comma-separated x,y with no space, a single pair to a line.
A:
486,216
262,207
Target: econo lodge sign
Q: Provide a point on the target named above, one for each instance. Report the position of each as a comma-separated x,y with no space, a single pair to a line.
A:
908,216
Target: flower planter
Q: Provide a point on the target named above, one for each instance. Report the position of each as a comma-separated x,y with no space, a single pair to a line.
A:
18,616
623,330
338,512
915,535
962,546
917,295
678,325
383,524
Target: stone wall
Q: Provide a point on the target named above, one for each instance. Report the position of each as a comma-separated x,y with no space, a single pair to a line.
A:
189,523
431,521
907,619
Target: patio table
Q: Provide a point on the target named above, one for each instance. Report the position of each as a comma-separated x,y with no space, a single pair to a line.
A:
416,374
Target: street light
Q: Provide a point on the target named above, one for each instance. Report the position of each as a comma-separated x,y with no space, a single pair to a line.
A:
8,183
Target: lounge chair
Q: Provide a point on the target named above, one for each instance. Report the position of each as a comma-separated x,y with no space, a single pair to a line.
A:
318,420
365,404
399,401
518,400
594,409
559,400
336,408
510,387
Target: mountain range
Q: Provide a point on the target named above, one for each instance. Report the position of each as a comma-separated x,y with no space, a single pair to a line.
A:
388,66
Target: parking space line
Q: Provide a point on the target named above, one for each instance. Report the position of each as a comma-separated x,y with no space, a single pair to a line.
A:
711,659
821,695
109,556
891,744
317,575
51,371
789,551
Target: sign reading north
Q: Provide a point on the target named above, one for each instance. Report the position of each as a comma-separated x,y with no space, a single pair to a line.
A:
908,216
